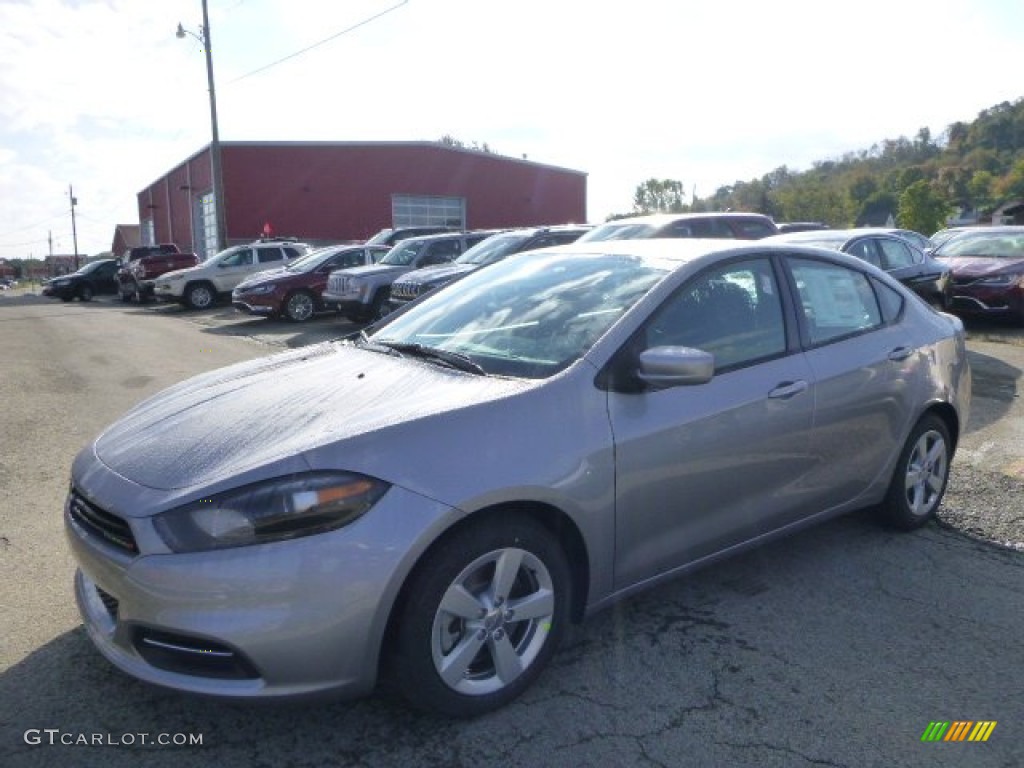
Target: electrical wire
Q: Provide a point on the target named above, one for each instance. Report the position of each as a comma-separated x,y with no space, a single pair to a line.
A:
318,44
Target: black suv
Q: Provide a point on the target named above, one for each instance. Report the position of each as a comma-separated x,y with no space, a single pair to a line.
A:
728,225
95,277
495,248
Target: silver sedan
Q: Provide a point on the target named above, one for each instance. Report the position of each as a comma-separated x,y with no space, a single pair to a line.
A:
436,500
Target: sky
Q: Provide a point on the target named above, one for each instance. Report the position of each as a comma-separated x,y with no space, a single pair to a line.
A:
100,97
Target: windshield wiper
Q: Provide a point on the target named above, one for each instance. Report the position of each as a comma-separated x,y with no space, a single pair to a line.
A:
454,359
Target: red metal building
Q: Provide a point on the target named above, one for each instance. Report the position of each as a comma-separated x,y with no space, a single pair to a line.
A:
326,192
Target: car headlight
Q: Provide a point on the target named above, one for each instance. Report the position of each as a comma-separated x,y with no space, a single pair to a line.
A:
257,290
172,278
276,510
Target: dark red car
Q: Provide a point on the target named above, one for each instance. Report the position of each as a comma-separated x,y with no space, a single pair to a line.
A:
296,291
987,264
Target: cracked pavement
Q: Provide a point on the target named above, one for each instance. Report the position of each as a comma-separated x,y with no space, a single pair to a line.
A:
835,647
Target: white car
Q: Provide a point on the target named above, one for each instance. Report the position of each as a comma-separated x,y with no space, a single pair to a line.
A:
200,286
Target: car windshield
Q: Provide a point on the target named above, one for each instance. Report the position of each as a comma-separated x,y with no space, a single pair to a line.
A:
92,266
835,243
492,249
992,245
403,254
614,231
527,317
380,238
311,260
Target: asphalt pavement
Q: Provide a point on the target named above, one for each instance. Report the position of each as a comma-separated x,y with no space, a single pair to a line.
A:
836,647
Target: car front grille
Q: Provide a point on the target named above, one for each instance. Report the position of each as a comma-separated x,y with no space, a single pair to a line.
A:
337,284
405,291
98,522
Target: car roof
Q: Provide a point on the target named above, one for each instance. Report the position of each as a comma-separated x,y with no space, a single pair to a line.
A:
667,218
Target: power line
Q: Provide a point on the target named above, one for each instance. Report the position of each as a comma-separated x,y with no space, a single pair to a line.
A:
318,44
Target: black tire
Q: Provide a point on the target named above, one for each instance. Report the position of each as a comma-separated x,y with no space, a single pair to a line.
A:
921,475
200,295
299,306
126,298
379,306
85,293
524,564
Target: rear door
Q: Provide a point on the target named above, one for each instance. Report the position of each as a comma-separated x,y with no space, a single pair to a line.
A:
863,361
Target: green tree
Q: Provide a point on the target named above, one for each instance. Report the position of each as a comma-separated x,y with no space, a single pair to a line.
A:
659,196
981,189
922,209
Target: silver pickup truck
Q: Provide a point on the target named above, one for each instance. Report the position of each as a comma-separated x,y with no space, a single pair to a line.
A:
361,293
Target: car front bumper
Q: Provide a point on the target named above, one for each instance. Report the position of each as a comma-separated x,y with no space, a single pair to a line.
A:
995,301
292,618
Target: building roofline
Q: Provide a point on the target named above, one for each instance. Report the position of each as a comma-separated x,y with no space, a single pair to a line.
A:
395,144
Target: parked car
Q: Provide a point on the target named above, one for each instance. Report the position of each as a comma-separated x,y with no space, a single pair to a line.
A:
495,248
361,293
296,291
728,225
390,237
200,286
929,278
938,238
987,264
128,285
437,500
96,277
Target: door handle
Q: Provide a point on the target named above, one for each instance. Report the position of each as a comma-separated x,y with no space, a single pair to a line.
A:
900,353
788,389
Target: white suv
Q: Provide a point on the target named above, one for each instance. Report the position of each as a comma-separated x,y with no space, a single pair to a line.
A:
200,286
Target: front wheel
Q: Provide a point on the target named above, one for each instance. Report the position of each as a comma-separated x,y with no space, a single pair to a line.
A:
200,296
299,307
921,475
482,616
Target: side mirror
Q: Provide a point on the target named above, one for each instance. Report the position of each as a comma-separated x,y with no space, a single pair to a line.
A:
665,367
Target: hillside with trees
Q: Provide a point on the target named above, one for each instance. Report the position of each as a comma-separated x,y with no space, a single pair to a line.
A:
970,170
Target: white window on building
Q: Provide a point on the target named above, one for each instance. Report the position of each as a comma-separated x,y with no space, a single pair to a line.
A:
148,232
208,224
417,211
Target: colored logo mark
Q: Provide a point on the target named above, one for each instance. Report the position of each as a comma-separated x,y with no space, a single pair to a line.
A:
959,730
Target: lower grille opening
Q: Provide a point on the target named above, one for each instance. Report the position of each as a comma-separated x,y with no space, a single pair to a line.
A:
109,601
194,656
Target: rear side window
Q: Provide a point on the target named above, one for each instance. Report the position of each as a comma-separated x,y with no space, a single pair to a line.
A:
836,301
896,254
891,301
752,229
267,255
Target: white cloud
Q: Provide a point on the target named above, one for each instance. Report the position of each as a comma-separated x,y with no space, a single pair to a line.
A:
101,94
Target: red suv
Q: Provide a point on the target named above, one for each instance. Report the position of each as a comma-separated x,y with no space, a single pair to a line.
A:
296,290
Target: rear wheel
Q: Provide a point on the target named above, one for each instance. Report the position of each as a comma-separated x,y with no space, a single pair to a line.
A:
85,293
200,295
299,307
483,614
921,475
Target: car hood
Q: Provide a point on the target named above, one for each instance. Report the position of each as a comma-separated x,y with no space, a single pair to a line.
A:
264,417
980,266
371,270
438,273
267,276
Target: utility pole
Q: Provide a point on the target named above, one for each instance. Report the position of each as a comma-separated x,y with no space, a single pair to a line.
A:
74,232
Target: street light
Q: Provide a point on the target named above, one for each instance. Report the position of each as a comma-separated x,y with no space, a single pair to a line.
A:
215,161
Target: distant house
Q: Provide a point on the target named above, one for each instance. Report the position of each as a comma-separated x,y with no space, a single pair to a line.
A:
6,269
125,236
1011,212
